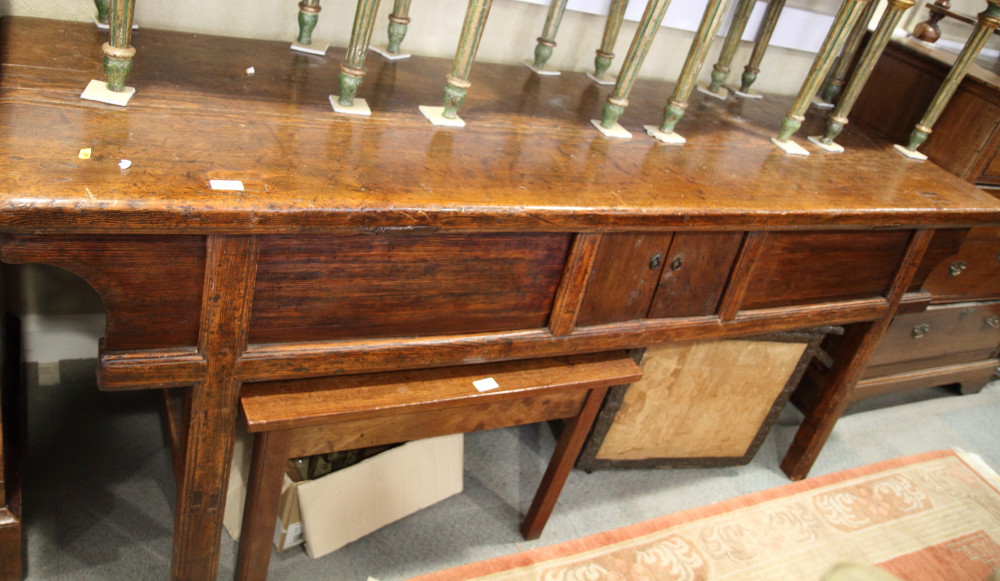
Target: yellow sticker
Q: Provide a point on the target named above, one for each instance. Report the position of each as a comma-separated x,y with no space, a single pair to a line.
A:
85,153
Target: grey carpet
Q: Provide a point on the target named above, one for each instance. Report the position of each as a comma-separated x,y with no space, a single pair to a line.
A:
99,491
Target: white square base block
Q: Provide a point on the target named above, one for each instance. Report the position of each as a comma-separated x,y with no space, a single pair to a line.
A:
316,49
604,81
790,147
434,115
751,95
909,153
671,138
543,71
832,148
821,104
360,107
98,91
107,26
722,95
616,131
383,51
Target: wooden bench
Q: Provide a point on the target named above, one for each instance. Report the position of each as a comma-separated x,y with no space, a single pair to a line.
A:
291,419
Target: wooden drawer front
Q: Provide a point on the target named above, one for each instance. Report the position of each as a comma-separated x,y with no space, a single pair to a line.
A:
797,268
971,274
942,335
333,287
990,176
695,273
624,278
151,285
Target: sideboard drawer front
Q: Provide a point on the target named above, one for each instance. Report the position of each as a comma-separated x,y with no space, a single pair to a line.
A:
394,285
624,278
941,335
150,285
798,268
971,274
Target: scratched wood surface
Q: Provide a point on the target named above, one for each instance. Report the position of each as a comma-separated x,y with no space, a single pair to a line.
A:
528,158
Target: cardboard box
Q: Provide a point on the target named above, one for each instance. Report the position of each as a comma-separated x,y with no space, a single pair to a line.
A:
329,512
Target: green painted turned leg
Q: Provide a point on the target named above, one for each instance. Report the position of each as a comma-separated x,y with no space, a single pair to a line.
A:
618,99
352,71
547,41
774,8
850,11
987,22
118,51
102,10
457,83
707,30
835,83
308,17
720,72
612,26
880,38
399,20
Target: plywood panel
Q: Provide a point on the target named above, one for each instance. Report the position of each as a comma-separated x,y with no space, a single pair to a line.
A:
706,400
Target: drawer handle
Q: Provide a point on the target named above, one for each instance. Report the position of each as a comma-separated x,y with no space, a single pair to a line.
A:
920,330
956,268
655,262
992,322
677,264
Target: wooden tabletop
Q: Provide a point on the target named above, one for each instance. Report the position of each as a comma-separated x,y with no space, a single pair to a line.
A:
528,159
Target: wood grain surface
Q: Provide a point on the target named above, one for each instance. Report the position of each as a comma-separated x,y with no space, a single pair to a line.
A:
528,159
367,245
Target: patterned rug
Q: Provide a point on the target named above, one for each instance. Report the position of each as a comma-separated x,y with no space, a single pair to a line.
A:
933,516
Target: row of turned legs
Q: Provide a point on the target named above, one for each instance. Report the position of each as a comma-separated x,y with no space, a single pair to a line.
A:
830,65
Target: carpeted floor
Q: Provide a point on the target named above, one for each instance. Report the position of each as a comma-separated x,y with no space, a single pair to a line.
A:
922,517
99,493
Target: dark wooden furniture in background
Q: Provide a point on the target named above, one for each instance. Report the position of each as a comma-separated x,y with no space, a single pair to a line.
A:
957,340
966,139
370,245
11,443
930,29
292,419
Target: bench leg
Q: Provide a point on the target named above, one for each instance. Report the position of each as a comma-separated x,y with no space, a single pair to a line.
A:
267,469
567,450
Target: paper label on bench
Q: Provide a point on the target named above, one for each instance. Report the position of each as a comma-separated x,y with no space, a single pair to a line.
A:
486,384
231,185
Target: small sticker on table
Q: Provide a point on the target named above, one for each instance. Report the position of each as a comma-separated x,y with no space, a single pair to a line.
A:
231,185
486,384
85,153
